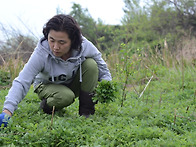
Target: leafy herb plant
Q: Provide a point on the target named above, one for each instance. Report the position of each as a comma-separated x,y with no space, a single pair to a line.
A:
106,92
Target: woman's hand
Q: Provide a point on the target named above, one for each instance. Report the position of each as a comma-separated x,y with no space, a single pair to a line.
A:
4,118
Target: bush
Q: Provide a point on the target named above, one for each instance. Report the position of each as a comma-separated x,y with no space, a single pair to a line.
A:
4,78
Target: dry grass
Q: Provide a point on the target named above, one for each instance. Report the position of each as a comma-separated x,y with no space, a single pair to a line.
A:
186,53
187,50
12,62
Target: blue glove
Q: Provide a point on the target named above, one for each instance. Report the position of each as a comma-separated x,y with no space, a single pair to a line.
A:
4,119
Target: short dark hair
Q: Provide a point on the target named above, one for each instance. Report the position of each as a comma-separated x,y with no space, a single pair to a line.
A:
65,23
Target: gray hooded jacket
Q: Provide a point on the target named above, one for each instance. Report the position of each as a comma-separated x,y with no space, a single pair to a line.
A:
44,67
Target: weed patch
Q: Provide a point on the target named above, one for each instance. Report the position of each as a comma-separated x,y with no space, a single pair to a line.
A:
165,114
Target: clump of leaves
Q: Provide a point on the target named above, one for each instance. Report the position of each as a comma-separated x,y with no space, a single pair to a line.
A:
4,78
106,91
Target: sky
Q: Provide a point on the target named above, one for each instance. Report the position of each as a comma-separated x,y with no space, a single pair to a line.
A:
31,15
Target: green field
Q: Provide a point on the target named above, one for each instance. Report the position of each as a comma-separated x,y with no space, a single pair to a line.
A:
152,58
165,115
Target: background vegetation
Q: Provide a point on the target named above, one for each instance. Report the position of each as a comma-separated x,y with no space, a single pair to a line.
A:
152,57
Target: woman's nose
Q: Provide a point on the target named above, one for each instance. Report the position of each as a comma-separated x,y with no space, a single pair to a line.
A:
56,46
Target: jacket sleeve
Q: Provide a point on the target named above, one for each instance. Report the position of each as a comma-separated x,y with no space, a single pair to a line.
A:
21,84
91,51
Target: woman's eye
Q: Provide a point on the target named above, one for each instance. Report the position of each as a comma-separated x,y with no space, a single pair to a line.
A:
62,42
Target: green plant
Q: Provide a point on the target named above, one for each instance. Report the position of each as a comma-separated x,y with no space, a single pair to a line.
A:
4,78
106,91
164,116
14,67
137,123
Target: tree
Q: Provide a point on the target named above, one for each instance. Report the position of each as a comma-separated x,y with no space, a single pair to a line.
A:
86,22
186,13
109,36
137,24
163,18
103,36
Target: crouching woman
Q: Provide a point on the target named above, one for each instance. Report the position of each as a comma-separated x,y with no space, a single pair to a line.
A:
63,66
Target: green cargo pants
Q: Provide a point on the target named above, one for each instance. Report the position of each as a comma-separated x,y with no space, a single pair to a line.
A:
62,96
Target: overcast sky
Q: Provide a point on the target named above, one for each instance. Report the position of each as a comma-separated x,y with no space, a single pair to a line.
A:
35,13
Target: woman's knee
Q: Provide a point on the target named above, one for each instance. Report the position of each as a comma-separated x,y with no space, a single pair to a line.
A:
91,65
62,98
89,75
57,95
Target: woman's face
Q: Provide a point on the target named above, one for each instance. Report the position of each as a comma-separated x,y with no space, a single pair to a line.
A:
59,43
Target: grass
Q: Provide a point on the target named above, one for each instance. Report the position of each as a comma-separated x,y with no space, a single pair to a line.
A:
165,115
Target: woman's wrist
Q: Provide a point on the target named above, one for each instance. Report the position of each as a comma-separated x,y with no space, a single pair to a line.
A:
7,112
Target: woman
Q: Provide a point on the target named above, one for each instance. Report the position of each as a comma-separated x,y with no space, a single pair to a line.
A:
63,66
